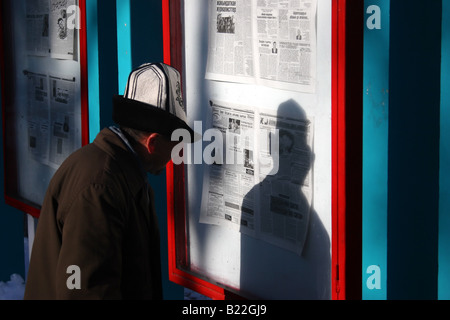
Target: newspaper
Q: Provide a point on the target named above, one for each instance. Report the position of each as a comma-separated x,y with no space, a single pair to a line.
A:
232,177
261,185
50,118
271,43
37,27
48,31
62,38
62,119
38,117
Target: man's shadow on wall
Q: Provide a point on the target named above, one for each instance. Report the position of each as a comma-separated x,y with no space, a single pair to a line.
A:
269,270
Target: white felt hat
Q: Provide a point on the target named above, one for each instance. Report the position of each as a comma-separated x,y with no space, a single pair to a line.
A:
153,101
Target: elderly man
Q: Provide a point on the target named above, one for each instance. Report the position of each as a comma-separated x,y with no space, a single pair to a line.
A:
97,235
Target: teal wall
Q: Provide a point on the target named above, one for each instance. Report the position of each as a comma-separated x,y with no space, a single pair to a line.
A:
413,172
12,255
444,209
406,225
136,38
375,151
93,68
139,40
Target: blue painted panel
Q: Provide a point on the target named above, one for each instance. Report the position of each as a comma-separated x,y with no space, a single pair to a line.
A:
12,256
414,112
93,69
108,63
139,40
444,205
375,149
147,39
123,10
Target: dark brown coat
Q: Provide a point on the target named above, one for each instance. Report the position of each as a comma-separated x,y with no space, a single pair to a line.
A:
98,214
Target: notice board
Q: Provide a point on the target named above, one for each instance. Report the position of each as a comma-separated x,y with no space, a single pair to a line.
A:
258,204
44,93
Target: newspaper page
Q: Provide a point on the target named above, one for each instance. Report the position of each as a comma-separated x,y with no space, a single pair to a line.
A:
38,117
37,27
271,43
232,175
62,38
231,55
62,119
286,37
263,186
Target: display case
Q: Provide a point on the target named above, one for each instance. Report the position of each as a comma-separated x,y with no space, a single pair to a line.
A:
44,93
284,223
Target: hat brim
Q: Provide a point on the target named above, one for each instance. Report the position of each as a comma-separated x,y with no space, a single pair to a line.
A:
146,117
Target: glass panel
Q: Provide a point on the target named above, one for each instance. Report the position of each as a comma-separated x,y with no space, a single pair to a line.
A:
42,93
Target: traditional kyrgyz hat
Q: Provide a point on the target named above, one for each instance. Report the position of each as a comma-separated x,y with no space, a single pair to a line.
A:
153,101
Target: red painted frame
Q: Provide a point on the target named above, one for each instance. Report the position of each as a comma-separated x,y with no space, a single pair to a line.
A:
11,200
346,153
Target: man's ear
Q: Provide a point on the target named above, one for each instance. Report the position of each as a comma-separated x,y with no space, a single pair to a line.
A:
152,142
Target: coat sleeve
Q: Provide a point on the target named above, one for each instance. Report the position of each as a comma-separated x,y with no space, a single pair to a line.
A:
90,260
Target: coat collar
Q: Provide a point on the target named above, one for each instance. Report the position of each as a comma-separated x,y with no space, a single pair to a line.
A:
119,149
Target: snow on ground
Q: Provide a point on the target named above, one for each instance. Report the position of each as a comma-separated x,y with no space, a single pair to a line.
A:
12,289
192,295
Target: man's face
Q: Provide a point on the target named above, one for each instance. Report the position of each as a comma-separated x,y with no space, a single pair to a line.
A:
160,152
